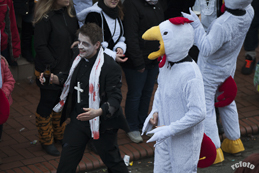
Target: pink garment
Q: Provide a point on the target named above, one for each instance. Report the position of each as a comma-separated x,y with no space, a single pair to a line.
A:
8,81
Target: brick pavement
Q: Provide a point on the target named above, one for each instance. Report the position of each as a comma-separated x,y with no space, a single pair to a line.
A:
20,156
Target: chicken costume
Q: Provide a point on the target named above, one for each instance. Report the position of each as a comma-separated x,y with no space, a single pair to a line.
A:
219,49
179,99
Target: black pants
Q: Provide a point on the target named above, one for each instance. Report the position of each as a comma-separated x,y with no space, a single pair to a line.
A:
77,135
48,99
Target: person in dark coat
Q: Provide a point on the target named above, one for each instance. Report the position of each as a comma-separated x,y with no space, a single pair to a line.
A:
55,32
25,9
140,72
91,98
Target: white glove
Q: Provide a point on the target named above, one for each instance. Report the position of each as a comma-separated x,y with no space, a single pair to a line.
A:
196,21
160,134
147,126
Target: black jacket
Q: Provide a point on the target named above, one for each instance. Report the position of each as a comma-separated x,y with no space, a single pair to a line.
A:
23,7
139,16
110,91
53,36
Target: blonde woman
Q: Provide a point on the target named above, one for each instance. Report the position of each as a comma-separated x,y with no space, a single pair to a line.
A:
55,31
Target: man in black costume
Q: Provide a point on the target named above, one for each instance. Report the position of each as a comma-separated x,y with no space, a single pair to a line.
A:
91,97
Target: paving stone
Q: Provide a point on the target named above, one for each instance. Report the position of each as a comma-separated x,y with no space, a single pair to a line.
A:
96,163
33,160
88,163
11,165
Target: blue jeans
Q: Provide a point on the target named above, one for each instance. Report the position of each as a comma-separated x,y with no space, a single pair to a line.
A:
251,41
140,88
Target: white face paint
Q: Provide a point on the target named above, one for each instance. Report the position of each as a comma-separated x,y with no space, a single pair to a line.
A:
86,48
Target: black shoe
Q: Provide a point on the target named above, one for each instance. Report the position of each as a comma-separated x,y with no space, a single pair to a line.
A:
249,65
58,141
51,149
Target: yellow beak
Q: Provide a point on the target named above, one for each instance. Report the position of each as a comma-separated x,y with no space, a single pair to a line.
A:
154,34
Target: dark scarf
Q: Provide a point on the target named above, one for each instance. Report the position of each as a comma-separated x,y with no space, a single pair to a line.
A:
236,12
111,12
186,59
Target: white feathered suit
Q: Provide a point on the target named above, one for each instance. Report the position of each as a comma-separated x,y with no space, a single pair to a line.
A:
180,103
219,49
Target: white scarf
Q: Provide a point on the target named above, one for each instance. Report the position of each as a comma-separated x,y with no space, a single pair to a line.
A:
94,97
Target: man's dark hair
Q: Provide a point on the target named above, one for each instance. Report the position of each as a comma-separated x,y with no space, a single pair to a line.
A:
93,31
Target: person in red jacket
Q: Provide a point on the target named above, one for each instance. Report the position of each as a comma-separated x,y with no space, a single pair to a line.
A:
6,85
10,40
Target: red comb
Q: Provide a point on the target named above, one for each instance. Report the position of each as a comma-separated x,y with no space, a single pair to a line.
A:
179,20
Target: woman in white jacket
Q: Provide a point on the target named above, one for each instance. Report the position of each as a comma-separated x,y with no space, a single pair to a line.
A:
108,16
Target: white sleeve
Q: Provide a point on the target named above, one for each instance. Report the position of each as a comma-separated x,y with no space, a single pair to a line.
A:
110,53
209,43
195,98
121,44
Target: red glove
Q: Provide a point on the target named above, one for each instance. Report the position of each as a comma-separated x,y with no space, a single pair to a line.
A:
208,152
4,107
229,89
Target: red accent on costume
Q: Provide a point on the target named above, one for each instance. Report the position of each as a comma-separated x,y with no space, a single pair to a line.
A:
91,88
94,96
222,9
8,81
162,63
229,89
98,64
4,107
61,102
9,31
179,20
96,134
208,150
